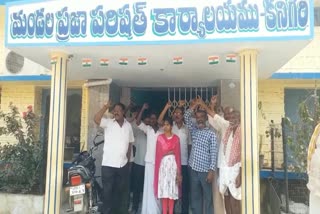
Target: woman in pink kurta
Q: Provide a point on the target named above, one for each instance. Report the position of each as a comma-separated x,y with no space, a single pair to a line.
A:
167,175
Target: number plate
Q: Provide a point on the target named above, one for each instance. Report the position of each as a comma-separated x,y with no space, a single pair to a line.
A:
77,190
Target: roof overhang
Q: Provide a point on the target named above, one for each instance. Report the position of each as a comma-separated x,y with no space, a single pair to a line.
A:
162,32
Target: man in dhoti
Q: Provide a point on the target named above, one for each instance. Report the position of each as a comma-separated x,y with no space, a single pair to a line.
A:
314,171
229,156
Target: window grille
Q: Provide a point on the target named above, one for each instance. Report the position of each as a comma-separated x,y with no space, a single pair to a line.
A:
188,94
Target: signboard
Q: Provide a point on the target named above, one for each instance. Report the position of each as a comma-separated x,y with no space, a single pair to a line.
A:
127,22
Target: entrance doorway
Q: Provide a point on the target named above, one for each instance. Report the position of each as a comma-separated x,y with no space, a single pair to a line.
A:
158,97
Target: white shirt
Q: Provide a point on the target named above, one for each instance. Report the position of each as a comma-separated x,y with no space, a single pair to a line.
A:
140,144
184,136
116,142
220,125
151,142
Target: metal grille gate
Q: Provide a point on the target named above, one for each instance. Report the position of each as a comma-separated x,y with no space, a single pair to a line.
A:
188,94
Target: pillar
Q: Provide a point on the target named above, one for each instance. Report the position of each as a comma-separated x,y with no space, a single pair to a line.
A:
55,150
249,136
98,94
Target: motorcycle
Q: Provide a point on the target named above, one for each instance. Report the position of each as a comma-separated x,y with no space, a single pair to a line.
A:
85,193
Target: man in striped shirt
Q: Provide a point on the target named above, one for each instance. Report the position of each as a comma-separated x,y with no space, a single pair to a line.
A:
202,161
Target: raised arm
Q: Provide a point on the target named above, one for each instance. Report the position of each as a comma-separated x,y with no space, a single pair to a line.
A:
215,120
128,107
210,110
188,114
98,116
144,107
163,113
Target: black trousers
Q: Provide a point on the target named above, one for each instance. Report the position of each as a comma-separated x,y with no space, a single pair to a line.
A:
115,189
138,181
185,190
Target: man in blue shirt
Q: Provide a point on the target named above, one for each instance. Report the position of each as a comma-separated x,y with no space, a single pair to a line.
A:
202,161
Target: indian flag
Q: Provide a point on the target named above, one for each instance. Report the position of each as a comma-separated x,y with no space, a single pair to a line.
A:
54,60
231,58
104,62
123,61
142,61
86,62
178,60
213,60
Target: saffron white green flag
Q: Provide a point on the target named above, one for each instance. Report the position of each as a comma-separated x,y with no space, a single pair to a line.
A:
104,62
54,60
86,62
177,60
231,58
123,61
142,61
213,60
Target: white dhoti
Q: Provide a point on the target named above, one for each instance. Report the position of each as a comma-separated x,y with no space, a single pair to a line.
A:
227,180
150,204
218,200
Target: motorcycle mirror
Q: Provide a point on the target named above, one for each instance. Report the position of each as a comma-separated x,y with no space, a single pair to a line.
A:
98,138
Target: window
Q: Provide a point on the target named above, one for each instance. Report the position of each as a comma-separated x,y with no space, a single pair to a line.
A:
73,118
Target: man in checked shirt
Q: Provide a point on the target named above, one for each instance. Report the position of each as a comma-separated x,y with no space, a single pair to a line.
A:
203,158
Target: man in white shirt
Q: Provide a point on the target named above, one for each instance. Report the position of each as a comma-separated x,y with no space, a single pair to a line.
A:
150,203
118,139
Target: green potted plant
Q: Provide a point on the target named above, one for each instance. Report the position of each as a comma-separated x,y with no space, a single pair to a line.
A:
21,159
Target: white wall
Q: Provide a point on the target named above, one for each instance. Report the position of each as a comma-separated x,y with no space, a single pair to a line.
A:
18,204
307,60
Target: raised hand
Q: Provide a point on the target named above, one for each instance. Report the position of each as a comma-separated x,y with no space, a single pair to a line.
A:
168,105
194,103
181,103
145,106
163,112
214,100
98,116
201,103
108,104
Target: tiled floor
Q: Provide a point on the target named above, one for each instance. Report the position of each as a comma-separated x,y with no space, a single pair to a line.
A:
65,206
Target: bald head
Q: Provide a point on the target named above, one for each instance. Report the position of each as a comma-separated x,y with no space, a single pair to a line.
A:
235,118
227,112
